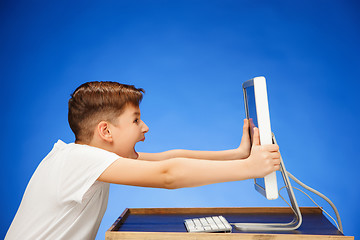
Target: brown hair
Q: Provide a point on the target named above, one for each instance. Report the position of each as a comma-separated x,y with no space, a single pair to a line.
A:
93,102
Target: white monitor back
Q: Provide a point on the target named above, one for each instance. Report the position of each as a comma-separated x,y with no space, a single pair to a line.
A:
257,111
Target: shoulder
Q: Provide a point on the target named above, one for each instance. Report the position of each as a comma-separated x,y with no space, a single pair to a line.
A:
73,154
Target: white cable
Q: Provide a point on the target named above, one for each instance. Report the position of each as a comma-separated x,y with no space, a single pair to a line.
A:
319,194
312,201
287,201
284,198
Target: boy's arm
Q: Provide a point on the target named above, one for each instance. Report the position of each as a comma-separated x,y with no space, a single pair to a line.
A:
231,154
241,152
183,172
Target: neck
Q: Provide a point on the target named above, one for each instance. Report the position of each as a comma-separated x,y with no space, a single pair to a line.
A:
108,146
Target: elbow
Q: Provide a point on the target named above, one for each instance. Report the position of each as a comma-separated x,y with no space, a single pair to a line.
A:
170,186
171,179
170,182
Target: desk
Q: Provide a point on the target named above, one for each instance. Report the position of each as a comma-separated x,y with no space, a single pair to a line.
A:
168,223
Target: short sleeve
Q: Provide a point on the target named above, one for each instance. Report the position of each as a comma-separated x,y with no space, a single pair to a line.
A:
82,166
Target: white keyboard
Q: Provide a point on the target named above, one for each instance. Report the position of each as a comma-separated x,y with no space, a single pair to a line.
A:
208,224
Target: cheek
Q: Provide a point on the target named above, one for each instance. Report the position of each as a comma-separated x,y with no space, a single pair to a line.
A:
133,135
127,137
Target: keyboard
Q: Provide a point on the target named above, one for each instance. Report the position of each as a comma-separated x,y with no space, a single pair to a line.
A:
208,224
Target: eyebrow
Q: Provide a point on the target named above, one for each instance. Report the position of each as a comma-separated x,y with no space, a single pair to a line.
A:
136,113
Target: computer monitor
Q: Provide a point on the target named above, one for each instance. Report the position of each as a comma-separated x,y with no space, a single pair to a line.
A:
257,111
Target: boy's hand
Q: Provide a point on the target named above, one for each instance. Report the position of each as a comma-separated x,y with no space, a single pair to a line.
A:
243,150
263,159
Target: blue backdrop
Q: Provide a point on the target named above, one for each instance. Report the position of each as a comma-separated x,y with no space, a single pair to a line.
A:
191,57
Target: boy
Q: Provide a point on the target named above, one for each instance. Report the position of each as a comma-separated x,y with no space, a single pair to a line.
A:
67,195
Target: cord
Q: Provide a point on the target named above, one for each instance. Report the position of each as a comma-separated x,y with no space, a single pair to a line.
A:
311,200
339,226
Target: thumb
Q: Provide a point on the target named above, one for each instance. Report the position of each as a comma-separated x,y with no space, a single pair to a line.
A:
256,137
246,129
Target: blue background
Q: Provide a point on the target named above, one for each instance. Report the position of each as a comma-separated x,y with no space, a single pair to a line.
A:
191,57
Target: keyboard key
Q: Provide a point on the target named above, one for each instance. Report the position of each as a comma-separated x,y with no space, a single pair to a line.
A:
226,223
219,222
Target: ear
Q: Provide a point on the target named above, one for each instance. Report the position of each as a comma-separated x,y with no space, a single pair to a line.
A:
104,132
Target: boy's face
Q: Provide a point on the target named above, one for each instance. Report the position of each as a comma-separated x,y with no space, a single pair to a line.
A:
127,131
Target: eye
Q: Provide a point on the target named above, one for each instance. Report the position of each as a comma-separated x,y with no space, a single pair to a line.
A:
136,121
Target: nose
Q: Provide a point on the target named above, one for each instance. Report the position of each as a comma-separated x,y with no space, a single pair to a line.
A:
145,128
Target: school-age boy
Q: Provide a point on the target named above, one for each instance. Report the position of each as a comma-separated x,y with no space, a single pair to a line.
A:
67,195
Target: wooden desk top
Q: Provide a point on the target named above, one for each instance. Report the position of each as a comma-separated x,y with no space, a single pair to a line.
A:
168,223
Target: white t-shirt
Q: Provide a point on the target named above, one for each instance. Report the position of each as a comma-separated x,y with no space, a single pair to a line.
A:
63,200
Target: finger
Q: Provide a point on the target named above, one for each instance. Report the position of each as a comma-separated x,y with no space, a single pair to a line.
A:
277,161
277,167
271,147
251,123
246,124
246,128
246,133
256,137
275,155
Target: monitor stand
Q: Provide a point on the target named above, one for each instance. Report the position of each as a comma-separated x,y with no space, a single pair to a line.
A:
294,224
